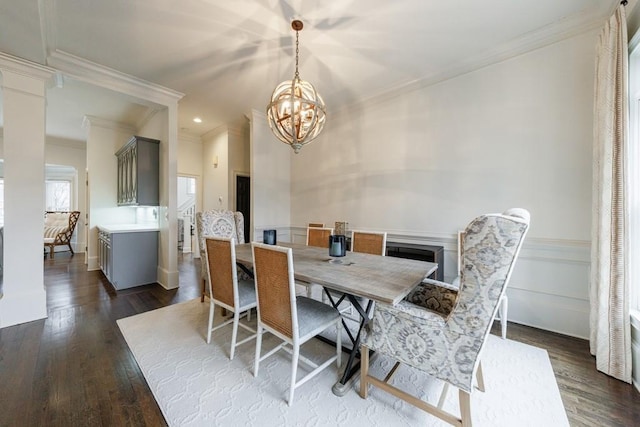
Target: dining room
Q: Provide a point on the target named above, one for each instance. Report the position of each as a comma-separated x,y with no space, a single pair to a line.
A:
511,125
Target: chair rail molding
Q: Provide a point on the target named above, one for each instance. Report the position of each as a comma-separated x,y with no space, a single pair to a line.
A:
550,284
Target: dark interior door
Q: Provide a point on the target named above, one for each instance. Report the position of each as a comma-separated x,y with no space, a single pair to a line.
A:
243,202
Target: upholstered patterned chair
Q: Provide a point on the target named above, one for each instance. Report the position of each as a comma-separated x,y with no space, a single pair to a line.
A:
504,301
217,223
441,329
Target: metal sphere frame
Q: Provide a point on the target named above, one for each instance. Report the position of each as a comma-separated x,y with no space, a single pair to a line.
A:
296,113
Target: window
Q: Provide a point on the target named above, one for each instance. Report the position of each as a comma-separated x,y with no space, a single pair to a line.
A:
191,186
58,195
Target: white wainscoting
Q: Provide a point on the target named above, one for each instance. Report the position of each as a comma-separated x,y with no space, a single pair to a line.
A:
549,288
283,234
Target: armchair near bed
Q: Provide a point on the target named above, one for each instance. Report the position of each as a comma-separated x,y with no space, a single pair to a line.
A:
58,229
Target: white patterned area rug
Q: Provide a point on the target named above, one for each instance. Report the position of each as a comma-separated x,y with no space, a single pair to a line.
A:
195,383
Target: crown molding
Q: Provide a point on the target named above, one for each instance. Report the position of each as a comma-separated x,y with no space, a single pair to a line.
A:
236,127
88,121
551,34
148,115
99,75
26,68
67,143
189,137
235,131
215,131
256,115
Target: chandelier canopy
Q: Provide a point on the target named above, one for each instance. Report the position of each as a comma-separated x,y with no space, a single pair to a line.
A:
296,113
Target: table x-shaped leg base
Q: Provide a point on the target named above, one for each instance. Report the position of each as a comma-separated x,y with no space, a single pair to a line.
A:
352,367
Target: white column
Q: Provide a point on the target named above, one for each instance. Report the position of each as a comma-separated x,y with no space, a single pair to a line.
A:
168,219
24,114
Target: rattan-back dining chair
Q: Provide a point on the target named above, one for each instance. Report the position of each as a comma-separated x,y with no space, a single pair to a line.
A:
368,242
294,320
225,290
319,237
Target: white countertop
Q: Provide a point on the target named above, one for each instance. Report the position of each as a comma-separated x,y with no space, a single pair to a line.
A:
128,228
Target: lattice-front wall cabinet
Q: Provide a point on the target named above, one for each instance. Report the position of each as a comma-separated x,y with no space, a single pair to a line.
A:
139,172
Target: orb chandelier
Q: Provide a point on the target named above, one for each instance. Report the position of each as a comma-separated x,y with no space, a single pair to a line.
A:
296,113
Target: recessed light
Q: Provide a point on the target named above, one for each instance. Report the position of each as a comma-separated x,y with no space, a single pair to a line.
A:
197,119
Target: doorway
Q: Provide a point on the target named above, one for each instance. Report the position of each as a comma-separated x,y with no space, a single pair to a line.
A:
186,212
243,202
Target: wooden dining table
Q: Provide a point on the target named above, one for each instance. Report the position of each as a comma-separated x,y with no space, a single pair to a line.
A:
372,277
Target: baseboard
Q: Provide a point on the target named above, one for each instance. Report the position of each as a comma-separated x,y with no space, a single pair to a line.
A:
167,279
92,263
635,348
22,306
78,248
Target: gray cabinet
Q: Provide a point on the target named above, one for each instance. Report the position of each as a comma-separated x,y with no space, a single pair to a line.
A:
104,252
139,172
128,259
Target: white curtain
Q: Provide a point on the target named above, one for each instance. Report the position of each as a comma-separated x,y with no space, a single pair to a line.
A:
609,294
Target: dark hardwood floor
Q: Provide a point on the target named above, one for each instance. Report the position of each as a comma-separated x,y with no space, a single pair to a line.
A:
75,369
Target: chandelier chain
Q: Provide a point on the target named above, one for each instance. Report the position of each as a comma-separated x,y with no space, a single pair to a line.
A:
297,76
296,113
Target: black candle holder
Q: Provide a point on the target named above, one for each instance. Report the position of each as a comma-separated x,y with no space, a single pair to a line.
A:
269,237
337,245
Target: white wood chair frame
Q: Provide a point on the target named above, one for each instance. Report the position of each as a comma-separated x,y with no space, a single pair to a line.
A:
237,310
291,344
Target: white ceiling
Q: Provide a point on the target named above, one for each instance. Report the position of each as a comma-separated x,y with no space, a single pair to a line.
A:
227,56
